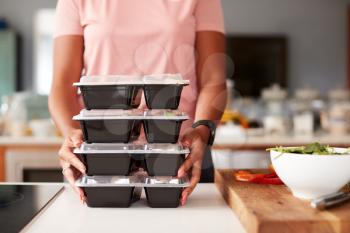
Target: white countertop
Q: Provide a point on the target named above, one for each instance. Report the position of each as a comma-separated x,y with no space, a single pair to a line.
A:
205,212
243,140
285,140
29,141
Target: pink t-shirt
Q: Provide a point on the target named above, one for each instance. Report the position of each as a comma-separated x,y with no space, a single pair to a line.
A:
141,36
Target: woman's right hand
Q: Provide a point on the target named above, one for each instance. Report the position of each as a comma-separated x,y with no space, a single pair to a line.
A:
72,167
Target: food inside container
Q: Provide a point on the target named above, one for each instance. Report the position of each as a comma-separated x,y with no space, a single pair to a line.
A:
121,191
111,92
117,159
164,192
109,191
163,126
109,126
163,91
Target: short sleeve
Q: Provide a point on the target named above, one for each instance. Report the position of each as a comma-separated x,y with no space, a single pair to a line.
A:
67,19
209,16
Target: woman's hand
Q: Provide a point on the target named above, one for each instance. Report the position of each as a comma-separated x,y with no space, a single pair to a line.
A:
72,167
196,140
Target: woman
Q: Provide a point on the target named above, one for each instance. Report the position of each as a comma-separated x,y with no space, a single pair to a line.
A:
107,37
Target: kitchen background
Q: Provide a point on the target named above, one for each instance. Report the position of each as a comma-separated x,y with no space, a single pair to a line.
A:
290,85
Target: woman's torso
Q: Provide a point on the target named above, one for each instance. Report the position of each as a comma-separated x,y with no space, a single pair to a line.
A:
141,37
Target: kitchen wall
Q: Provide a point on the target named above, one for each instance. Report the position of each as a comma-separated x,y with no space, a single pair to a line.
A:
316,31
20,15
316,28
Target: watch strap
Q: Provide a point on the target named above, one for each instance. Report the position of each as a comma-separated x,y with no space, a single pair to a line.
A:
211,126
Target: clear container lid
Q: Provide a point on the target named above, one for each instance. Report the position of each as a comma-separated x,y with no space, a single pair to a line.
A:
132,181
134,148
110,80
166,181
135,114
165,114
165,79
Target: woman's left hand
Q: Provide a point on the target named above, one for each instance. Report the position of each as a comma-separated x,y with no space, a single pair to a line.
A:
196,139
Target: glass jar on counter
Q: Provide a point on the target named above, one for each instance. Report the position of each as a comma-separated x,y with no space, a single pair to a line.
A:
306,108
336,118
276,118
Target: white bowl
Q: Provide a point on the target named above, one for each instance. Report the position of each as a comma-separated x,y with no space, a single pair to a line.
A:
312,176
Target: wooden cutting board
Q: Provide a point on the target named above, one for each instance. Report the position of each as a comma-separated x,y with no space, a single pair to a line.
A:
273,209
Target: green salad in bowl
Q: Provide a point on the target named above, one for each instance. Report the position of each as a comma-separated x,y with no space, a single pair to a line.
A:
312,170
312,149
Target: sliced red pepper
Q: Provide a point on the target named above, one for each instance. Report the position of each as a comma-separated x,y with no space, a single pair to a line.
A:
273,181
246,176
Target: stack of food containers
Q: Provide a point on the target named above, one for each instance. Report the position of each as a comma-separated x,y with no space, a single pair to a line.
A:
111,124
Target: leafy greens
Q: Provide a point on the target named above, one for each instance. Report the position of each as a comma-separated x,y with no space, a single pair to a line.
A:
311,149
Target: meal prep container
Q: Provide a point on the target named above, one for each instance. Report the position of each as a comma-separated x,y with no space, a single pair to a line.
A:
164,159
109,191
105,159
117,159
163,126
164,192
110,92
109,126
118,126
121,191
163,91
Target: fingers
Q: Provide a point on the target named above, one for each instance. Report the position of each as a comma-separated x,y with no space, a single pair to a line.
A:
187,138
66,155
70,176
185,167
142,105
195,155
77,139
195,178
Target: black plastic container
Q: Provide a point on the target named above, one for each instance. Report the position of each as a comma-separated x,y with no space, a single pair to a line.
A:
118,159
162,130
163,96
163,197
163,164
163,126
103,159
120,126
164,159
109,197
110,92
163,91
107,191
107,164
109,97
107,131
164,192
121,191
109,126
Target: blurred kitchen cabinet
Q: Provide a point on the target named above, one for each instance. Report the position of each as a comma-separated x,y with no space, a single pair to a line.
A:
8,60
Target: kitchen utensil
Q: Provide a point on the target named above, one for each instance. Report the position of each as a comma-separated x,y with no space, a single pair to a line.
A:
329,201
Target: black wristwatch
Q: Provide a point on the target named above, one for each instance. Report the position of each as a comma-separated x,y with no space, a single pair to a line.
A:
211,126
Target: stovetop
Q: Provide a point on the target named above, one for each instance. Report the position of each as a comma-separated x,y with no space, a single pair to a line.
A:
20,203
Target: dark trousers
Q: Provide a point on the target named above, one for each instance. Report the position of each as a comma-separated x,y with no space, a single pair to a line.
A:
207,175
